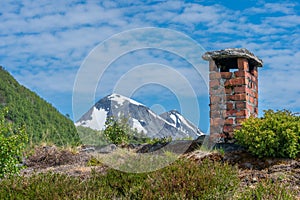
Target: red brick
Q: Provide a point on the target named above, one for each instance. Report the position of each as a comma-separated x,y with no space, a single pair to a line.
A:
242,113
227,129
215,99
243,64
231,112
229,106
240,74
216,121
254,72
228,91
248,75
251,92
214,75
240,89
215,114
226,75
235,81
229,121
214,83
217,91
218,106
254,85
251,100
250,108
240,105
214,107
213,66
223,113
253,78
237,97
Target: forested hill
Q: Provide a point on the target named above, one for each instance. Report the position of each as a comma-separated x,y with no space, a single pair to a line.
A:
42,121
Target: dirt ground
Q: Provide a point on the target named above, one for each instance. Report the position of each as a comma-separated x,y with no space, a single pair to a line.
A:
251,169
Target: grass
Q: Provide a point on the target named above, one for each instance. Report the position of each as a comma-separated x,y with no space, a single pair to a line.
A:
127,160
268,190
183,179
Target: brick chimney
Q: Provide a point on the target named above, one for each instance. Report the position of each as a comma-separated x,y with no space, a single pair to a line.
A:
233,89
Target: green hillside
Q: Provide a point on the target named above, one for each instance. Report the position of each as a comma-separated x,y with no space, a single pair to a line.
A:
42,121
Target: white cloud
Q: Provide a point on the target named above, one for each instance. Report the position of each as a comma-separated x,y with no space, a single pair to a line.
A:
267,8
44,42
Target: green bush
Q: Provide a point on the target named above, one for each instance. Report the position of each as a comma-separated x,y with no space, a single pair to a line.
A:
12,142
119,132
276,134
116,132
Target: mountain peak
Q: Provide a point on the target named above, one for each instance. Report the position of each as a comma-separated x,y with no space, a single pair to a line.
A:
139,117
120,99
174,111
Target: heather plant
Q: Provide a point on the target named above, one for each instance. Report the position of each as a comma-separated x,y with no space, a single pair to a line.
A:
276,134
12,142
181,180
267,189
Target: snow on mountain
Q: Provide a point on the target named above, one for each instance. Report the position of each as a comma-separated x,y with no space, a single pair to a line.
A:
121,99
139,117
96,121
177,120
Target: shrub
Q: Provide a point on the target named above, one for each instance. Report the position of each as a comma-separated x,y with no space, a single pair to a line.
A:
119,132
267,189
116,132
276,134
12,142
183,179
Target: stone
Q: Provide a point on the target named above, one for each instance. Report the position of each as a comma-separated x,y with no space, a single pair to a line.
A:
233,53
87,149
107,149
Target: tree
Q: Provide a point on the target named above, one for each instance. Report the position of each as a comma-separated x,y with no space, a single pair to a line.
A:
12,142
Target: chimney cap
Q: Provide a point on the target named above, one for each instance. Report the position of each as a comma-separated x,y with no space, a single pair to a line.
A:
233,53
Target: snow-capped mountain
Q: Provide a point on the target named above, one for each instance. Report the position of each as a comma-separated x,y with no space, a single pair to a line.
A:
139,117
177,120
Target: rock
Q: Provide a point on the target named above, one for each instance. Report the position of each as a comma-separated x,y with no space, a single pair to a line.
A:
233,53
87,149
107,149
229,147
247,165
254,180
148,148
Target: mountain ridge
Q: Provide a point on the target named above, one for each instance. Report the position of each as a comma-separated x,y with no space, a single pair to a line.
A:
139,116
43,122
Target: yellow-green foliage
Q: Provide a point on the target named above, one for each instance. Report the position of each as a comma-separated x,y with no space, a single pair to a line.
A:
12,142
276,134
116,132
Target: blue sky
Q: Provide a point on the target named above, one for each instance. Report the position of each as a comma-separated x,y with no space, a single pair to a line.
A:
44,43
